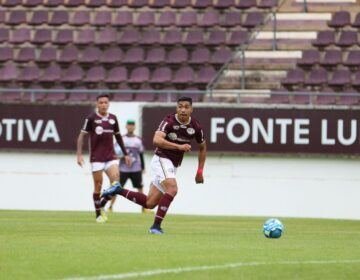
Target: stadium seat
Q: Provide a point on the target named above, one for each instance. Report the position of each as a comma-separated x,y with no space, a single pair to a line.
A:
9,96
32,3
137,3
295,78
111,56
231,19
317,78
187,19
150,37
341,78
134,55
353,59
68,55
106,37
356,23
4,35
245,4
39,17
29,74
80,18
184,76
166,96
202,4
85,37
145,96
117,3
102,18
177,55
58,96
17,17
172,37
6,53
159,4
166,19
20,36
347,39
356,81
25,55
209,19
11,3
181,4
267,4
220,57
59,17
200,56
42,36
139,75
194,37
340,19
161,76
95,3
47,55
130,37
331,59
195,96
123,96
95,74
349,100
205,75
73,74
2,17
216,38
123,18
74,3
52,74
53,3
64,37
324,39
309,59
78,97
8,73
156,56
224,4
90,55
145,19
253,19
327,96
237,38
117,75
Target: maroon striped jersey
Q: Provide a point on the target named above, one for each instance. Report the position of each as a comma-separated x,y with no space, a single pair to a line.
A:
179,133
101,130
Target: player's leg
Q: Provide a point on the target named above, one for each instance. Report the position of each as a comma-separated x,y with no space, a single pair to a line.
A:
169,186
98,179
137,183
123,178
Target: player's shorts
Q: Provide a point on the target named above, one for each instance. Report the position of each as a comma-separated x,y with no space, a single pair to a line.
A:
135,177
97,166
162,169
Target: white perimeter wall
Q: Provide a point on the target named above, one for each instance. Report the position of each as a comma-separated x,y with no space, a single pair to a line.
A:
249,186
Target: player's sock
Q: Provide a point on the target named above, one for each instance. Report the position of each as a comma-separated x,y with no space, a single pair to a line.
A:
163,206
138,198
97,204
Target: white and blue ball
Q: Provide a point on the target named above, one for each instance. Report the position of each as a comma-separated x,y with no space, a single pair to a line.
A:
273,228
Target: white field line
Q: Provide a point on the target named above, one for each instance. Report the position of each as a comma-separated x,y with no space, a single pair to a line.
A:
209,267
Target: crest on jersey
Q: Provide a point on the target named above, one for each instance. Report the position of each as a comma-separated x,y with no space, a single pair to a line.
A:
176,127
111,121
99,130
190,131
172,136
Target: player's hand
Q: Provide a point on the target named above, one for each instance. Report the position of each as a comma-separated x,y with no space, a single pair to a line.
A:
185,147
199,178
128,160
80,160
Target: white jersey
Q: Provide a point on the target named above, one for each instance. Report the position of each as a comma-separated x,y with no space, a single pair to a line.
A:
134,146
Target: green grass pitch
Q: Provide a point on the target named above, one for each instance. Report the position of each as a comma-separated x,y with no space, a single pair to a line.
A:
64,245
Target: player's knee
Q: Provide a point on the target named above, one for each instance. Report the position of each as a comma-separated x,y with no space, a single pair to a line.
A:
150,205
172,190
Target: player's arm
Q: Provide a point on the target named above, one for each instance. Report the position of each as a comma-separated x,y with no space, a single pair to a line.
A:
160,141
199,178
79,146
120,141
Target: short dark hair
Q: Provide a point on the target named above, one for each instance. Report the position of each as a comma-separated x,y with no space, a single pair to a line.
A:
102,95
185,98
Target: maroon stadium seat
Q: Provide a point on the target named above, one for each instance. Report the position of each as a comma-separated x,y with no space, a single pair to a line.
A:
156,56
59,17
209,19
68,55
90,55
52,74
85,37
6,53
64,37
187,19
111,56
340,19
73,74
194,37
130,37
167,18
39,17
332,58
159,3
117,75
309,58
117,3
184,76
172,37
180,4
47,55
42,36
324,39
224,4
17,17
80,18
145,19
123,18
139,75
177,55
95,74
294,78
150,37
25,55
353,59
107,36
200,56
203,4
161,76
20,36
102,18
134,56
231,19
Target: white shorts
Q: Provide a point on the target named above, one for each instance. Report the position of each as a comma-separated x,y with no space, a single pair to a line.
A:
97,166
162,169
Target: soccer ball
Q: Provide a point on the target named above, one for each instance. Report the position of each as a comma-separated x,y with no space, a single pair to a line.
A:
273,228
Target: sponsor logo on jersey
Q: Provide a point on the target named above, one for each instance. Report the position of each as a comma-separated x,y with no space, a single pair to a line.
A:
190,131
183,126
99,130
172,136
111,121
98,121
176,127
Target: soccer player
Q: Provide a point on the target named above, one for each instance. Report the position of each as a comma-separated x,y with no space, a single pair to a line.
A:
135,149
172,139
101,126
